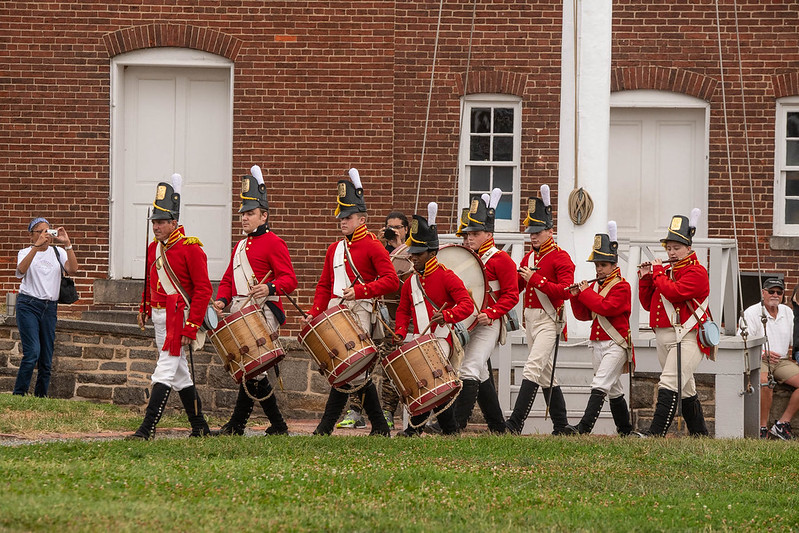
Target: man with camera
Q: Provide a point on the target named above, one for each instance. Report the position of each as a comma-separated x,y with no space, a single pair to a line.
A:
39,267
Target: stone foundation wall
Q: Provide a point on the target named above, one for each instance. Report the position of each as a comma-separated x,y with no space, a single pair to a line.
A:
644,396
113,362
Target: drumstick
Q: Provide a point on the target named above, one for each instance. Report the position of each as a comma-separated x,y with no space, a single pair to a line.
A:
251,295
431,322
393,335
293,302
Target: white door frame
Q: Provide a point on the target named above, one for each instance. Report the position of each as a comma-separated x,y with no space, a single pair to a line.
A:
153,57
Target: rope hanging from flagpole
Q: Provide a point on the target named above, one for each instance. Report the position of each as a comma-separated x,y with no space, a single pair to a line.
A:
429,101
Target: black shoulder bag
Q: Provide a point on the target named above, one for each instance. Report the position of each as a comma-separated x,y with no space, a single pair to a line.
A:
68,293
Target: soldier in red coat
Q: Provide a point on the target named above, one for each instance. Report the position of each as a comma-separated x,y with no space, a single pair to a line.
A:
545,286
357,269
433,296
260,267
677,295
503,295
606,303
176,298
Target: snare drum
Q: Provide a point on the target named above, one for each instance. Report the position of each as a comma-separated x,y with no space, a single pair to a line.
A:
339,345
422,374
468,267
246,344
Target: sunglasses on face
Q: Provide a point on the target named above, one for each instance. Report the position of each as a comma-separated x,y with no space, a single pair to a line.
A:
775,291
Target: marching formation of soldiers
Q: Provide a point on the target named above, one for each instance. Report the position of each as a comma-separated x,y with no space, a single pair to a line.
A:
441,332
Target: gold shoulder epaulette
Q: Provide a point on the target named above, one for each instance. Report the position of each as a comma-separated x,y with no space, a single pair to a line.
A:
192,240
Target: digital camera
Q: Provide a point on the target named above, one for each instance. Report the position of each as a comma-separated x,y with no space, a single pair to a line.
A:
53,232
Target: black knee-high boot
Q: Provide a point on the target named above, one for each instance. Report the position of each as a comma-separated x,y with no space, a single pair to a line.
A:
488,401
153,413
621,415
333,408
665,409
694,419
241,413
464,403
557,411
371,406
524,402
199,427
277,426
592,410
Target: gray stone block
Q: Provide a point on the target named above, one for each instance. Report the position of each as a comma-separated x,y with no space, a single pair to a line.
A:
143,354
93,392
102,379
61,386
119,367
144,367
67,350
96,352
129,396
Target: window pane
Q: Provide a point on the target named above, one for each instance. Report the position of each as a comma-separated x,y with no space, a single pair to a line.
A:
503,178
792,184
792,125
792,211
503,149
792,153
479,179
505,207
479,148
503,120
481,120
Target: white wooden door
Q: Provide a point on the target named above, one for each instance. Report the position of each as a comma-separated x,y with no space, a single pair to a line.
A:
175,120
657,168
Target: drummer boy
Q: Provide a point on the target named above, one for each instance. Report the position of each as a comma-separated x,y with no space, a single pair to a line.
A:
432,297
357,269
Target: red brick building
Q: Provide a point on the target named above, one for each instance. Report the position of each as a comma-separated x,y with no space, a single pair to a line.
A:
314,88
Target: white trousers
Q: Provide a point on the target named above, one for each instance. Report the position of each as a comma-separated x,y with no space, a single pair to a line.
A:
608,361
690,354
169,370
542,334
476,353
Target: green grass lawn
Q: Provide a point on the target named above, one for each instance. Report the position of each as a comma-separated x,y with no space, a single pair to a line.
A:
349,484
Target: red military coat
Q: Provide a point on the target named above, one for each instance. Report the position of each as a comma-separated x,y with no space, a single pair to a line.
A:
265,252
555,273
373,264
500,267
442,286
190,265
686,281
615,305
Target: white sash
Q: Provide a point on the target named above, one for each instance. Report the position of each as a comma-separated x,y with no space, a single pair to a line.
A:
605,324
420,309
340,278
546,304
244,276
689,324
163,277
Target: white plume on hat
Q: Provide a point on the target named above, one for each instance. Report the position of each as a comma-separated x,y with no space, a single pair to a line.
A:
612,231
177,182
355,178
255,171
694,217
432,211
486,198
496,194
545,195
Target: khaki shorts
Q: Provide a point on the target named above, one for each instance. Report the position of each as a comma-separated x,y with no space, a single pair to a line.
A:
785,370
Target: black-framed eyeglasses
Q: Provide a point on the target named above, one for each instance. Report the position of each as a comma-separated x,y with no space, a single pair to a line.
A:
778,292
395,228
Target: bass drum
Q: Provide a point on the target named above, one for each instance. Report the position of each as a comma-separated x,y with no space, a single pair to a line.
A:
468,267
404,268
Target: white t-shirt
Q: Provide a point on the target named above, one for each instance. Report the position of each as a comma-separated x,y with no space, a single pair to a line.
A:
779,329
43,277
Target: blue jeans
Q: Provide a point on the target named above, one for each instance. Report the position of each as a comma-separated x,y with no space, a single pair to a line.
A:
36,322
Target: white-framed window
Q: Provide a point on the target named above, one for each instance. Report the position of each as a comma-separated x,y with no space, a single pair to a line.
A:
786,168
490,154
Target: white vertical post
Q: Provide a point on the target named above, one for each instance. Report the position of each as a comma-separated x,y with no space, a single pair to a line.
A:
594,33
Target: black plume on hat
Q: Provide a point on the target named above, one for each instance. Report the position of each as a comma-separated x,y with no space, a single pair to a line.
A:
167,199
253,191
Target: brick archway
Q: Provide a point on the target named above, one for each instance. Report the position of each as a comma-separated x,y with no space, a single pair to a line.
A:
663,79
174,35
491,81
785,84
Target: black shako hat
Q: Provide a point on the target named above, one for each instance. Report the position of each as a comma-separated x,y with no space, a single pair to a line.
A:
539,213
253,191
166,205
423,236
606,247
349,196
